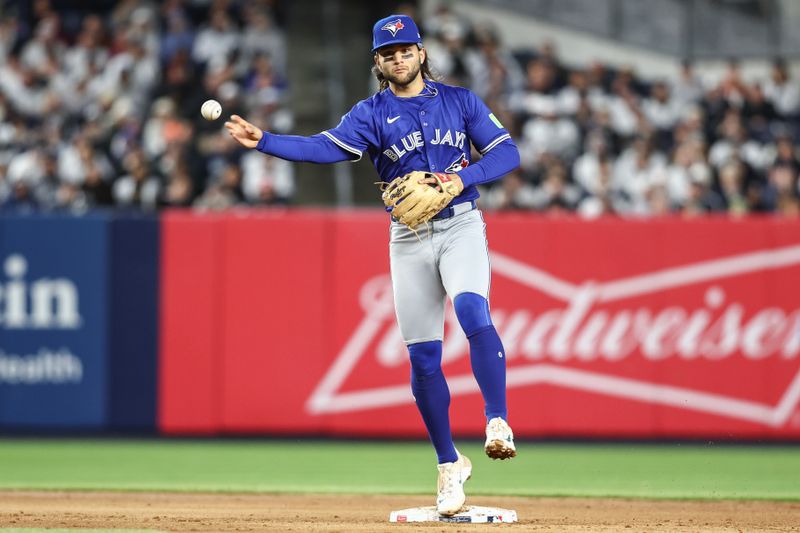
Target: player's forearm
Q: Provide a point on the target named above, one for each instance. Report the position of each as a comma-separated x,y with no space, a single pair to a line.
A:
496,163
314,149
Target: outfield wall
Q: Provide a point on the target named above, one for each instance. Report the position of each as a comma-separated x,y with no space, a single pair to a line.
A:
282,322
612,329
78,317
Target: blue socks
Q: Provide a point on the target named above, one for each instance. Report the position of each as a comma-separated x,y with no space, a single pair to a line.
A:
488,360
489,367
486,352
432,396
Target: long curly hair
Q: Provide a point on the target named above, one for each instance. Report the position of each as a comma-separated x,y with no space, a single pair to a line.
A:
425,69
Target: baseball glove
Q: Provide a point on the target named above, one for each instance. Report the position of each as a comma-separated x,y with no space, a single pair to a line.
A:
413,203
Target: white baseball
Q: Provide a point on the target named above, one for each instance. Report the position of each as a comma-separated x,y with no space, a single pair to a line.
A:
211,110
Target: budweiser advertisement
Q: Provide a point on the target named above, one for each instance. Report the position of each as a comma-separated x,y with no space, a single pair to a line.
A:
283,322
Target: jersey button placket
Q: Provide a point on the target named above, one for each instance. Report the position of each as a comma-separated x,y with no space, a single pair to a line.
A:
422,114
425,124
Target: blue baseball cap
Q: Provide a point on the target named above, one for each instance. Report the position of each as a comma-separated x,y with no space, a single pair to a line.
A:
395,29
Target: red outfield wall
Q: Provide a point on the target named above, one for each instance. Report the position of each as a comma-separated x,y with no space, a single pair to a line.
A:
283,322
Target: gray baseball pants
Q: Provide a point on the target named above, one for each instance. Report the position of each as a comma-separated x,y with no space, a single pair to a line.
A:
446,260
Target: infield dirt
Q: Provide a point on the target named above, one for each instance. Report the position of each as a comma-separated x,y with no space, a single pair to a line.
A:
345,513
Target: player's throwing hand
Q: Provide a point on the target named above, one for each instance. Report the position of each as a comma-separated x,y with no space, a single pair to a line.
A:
245,133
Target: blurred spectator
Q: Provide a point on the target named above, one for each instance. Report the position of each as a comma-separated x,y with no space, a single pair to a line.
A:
76,159
687,88
447,50
88,55
603,200
659,109
785,153
658,201
43,54
732,87
660,112
96,189
587,170
224,192
261,38
179,191
539,88
636,170
688,161
574,93
178,36
513,192
555,193
732,184
216,42
493,71
163,127
446,21
782,91
267,180
180,76
140,187
781,190
548,133
701,198
758,114
733,142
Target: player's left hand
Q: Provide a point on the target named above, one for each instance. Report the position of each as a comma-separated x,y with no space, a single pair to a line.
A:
455,178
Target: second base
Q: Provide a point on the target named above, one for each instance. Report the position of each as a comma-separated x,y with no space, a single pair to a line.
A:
469,514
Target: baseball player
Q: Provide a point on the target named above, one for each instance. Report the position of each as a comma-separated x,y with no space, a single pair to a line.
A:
418,132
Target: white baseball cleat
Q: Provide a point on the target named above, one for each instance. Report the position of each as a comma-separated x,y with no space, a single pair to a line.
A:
452,476
499,440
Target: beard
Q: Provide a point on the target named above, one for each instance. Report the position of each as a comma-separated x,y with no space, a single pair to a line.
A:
405,78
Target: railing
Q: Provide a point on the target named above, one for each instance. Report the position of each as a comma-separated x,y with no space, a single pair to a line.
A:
683,28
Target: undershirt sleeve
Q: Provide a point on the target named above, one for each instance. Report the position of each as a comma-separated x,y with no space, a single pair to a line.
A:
497,162
318,148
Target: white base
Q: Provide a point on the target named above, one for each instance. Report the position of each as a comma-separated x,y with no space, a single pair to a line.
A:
469,514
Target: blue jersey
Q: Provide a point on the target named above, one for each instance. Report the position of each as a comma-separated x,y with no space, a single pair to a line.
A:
431,131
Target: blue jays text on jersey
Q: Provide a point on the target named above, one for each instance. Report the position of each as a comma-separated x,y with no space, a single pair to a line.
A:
414,140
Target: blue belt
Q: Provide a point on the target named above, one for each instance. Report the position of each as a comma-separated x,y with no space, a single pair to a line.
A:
454,210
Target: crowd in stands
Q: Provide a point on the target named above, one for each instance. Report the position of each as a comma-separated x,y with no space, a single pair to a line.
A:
598,140
102,110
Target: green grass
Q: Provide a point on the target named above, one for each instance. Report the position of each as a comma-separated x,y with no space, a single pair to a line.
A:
646,471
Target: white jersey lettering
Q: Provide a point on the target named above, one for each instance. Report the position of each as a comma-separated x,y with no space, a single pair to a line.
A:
414,140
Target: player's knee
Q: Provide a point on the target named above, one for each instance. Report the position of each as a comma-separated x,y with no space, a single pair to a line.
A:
426,358
472,311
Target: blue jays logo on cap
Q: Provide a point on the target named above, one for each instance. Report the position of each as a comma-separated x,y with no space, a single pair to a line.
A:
393,26
395,29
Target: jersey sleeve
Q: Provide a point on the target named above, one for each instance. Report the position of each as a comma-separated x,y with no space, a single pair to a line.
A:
483,128
355,132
